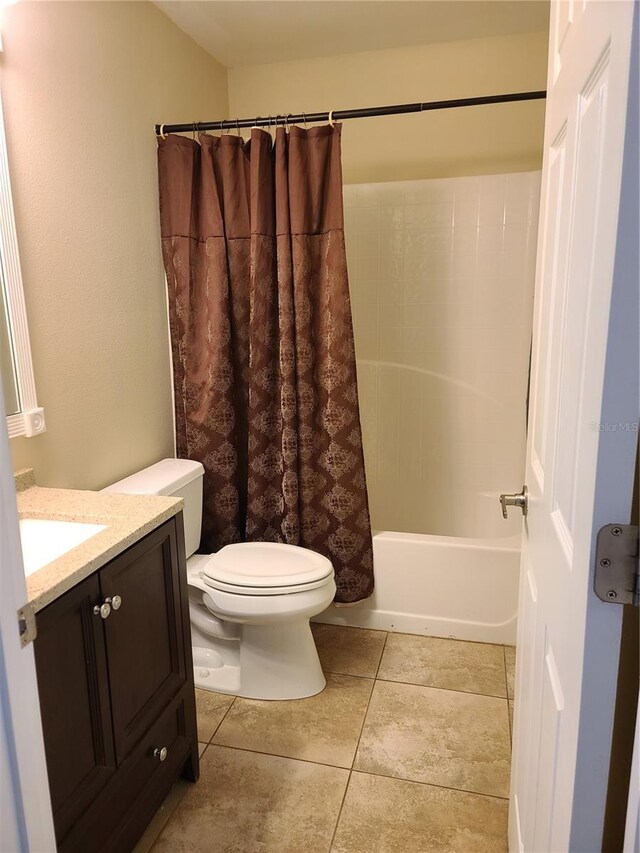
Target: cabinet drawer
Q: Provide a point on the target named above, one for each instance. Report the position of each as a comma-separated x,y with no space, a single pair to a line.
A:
115,822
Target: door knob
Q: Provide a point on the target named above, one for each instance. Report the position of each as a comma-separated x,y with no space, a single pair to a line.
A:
520,500
115,602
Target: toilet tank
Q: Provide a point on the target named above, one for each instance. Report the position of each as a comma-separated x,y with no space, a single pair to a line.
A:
177,478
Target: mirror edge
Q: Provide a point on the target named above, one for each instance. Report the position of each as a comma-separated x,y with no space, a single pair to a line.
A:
30,420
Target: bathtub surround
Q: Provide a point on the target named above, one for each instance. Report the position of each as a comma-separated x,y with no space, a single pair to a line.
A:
441,275
263,353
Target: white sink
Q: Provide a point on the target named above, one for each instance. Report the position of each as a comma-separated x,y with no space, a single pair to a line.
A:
45,541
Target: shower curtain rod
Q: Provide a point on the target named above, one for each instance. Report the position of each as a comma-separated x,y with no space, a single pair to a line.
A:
341,115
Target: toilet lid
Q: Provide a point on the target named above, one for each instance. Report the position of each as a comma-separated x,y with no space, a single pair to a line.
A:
266,565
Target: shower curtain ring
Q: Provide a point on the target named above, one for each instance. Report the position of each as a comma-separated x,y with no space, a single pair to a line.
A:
304,119
162,134
331,121
238,127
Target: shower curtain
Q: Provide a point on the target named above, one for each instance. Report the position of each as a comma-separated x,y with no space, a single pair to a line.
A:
262,342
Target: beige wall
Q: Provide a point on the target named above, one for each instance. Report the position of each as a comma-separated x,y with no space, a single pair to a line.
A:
472,141
82,85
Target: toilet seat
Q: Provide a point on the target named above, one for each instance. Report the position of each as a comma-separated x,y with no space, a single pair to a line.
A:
265,590
266,568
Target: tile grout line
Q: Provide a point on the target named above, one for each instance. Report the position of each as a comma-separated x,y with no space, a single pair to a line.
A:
344,797
506,678
384,646
433,785
355,752
344,675
431,637
280,755
437,687
224,716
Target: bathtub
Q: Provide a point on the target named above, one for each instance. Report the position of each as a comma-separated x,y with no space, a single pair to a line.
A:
441,586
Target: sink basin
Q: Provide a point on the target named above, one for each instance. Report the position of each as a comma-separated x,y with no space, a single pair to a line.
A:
44,541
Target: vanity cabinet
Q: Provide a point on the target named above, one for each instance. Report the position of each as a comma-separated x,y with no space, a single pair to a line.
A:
115,678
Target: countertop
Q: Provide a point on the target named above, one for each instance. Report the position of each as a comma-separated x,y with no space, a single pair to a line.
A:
128,519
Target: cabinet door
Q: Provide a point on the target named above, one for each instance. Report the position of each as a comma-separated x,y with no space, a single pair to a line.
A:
74,702
144,636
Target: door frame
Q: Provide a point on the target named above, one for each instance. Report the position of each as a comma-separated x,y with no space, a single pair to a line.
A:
25,808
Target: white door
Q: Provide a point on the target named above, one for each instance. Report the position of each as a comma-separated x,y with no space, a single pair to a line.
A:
582,438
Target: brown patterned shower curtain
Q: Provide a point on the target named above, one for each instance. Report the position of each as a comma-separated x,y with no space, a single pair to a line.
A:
263,355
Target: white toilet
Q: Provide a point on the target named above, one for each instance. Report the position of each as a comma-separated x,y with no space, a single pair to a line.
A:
250,603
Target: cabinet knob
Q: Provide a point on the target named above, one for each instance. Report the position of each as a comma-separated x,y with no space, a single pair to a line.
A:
102,610
160,754
115,602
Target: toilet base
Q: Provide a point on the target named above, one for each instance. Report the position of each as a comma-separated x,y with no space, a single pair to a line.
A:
274,661
211,673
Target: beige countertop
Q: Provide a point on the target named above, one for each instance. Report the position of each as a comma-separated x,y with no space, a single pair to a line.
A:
128,519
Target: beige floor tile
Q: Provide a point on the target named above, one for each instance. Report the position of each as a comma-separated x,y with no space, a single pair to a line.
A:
201,748
511,716
450,664
210,711
245,802
348,651
442,737
382,815
510,664
323,728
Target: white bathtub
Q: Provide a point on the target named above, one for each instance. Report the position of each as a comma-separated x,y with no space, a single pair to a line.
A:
442,586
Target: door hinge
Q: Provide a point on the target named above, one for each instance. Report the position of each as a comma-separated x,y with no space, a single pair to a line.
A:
616,575
27,625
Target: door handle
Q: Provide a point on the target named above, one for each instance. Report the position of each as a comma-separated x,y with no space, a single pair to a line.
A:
520,500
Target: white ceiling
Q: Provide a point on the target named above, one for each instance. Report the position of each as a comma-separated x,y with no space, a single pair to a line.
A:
251,32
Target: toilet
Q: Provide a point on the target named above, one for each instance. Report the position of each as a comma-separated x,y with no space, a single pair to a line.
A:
249,604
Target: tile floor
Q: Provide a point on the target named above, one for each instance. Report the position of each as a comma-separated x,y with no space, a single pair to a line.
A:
407,749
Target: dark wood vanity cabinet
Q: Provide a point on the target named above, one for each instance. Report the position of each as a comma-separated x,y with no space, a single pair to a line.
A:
116,694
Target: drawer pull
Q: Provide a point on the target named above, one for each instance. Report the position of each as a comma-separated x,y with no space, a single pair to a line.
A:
115,602
102,610
160,754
